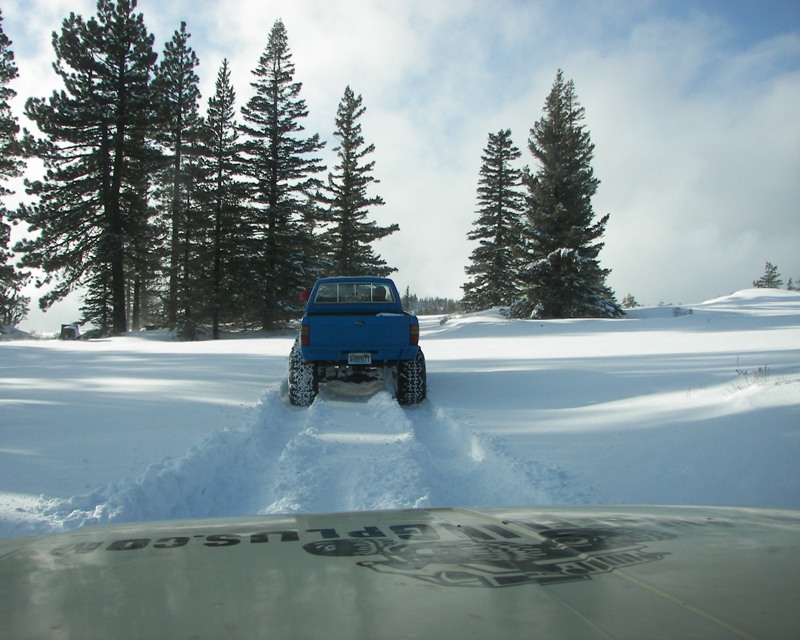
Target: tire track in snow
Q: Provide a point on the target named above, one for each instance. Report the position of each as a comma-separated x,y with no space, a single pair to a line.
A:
349,451
357,454
351,454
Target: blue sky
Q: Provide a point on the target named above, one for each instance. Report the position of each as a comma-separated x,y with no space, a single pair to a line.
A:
692,107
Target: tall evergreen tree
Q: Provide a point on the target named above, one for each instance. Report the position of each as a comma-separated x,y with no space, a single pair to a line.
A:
349,238
771,278
177,90
11,162
223,196
194,282
494,262
94,151
280,167
562,277
13,304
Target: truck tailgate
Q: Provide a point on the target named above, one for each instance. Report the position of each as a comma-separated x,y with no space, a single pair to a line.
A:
332,337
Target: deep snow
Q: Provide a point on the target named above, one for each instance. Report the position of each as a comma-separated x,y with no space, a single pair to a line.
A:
699,405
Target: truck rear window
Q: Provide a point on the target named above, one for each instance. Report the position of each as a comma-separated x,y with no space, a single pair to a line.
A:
353,292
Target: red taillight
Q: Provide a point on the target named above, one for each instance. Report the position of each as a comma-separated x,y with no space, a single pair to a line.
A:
305,337
414,335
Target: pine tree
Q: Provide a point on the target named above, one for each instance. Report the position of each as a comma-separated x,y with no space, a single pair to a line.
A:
279,166
494,263
178,93
629,302
13,304
11,162
95,151
222,196
562,277
349,238
194,278
145,250
771,278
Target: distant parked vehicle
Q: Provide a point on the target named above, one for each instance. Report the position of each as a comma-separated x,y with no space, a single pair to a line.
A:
70,331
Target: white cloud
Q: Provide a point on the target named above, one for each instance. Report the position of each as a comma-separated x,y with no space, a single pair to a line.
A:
697,145
698,158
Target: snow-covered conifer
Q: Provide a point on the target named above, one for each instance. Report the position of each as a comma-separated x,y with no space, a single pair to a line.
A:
562,277
494,263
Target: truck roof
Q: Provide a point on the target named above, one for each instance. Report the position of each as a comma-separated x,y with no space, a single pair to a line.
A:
346,279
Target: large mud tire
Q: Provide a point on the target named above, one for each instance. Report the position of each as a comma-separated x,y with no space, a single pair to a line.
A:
412,384
303,383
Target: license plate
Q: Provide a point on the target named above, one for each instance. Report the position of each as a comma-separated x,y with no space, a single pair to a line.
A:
359,358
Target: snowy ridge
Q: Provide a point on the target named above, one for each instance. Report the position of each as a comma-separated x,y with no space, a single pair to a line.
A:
10,333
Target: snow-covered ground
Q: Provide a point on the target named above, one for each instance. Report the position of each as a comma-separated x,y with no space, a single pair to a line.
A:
665,406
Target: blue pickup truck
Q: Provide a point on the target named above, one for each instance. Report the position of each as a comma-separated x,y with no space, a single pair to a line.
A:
355,329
